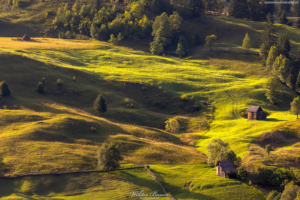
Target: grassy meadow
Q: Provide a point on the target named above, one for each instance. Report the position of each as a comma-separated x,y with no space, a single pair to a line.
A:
52,131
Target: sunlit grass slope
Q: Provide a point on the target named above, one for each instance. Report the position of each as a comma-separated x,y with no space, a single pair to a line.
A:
203,183
52,131
106,186
231,88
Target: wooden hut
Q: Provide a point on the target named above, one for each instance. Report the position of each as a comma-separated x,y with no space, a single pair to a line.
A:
225,169
26,38
256,113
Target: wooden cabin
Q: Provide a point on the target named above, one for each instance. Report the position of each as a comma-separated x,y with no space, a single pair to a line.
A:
26,38
225,169
256,113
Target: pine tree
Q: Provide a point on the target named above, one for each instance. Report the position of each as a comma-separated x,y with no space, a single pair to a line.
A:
270,18
266,8
295,106
4,89
100,104
238,9
297,85
197,7
40,88
180,50
247,42
254,10
268,39
103,33
273,53
120,37
273,92
282,18
157,46
162,26
277,64
283,45
285,69
291,79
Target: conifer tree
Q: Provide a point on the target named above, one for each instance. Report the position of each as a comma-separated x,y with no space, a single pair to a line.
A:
284,69
273,92
266,8
157,46
254,10
283,45
113,40
247,42
100,104
162,26
238,9
268,39
277,64
297,85
4,89
273,53
180,50
40,88
295,106
282,18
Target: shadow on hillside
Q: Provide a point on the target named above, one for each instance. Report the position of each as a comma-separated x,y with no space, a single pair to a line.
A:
273,120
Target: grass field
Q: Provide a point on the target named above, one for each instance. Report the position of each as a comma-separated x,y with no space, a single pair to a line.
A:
52,132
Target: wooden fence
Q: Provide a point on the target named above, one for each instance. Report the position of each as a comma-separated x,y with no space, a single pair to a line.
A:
67,172
157,181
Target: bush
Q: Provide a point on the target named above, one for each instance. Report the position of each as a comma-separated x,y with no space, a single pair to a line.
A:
40,88
108,157
4,90
60,82
242,173
274,195
100,104
172,126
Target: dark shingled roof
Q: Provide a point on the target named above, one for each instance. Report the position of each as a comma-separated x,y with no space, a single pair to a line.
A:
226,166
26,38
254,109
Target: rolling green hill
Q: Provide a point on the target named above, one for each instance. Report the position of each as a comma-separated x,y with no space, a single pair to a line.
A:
52,132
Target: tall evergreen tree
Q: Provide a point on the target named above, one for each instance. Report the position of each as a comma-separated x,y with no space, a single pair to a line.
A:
268,39
4,89
238,9
157,46
197,7
247,42
254,10
266,8
273,92
273,53
284,69
270,18
100,104
283,45
297,85
180,51
295,106
292,77
282,18
277,64
162,25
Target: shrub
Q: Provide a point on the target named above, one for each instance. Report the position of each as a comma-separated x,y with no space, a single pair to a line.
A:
40,88
108,157
172,126
268,149
100,104
4,90
60,82
274,195
242,173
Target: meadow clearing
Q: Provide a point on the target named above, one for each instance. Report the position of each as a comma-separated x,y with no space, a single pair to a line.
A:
52,131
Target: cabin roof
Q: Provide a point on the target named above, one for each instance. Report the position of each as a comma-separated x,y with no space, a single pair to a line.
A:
226,166
254,109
